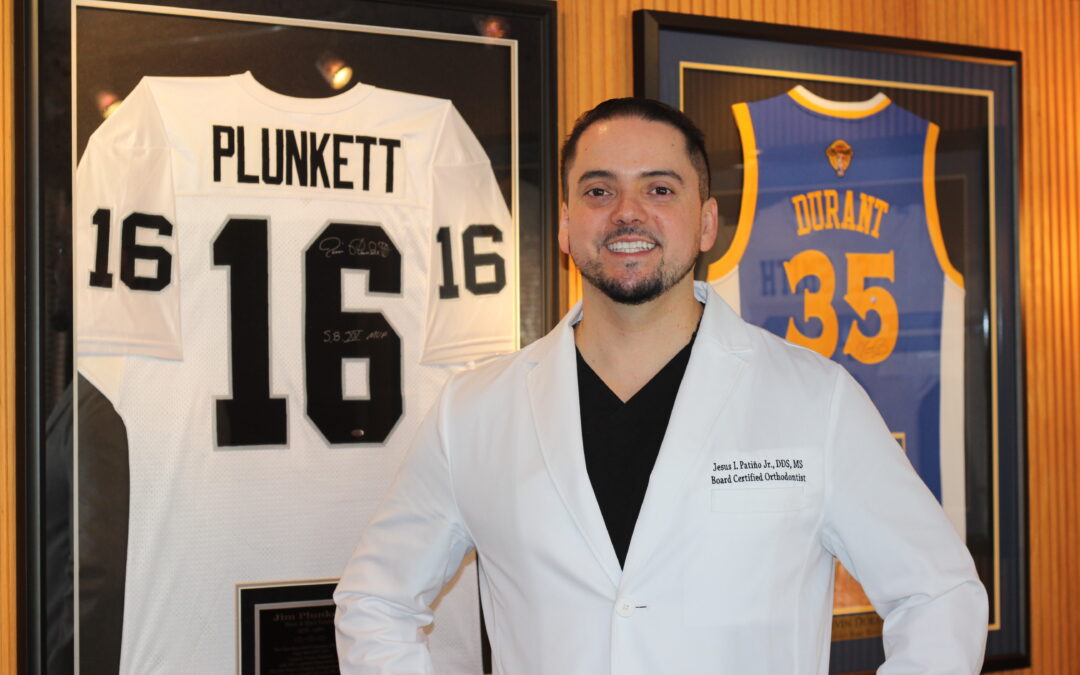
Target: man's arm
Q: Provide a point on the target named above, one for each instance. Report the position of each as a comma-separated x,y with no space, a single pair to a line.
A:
410,550
892,535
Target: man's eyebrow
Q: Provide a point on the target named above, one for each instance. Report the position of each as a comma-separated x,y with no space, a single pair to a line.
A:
662,173
608,175
595,173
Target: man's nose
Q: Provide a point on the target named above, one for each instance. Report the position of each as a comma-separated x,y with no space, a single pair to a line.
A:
628,209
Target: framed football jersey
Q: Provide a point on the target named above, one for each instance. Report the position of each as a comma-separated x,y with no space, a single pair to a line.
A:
866,192
286,231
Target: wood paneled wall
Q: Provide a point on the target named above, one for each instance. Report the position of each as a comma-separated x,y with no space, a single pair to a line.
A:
595,64
7,350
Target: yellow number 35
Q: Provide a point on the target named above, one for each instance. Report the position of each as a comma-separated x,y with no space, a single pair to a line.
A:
862,298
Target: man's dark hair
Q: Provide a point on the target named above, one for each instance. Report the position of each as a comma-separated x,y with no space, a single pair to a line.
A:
646,109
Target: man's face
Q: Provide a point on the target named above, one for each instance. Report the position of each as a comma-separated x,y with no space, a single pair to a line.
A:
633,220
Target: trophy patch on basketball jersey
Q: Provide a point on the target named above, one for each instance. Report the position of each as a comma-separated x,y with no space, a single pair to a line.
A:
839,153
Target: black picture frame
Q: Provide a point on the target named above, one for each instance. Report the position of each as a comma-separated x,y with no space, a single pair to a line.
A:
703,65
283,626
524,157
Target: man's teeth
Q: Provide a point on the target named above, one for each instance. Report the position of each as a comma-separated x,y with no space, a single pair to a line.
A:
630,246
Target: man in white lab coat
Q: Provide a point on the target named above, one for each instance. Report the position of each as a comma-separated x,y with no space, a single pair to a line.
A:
741,465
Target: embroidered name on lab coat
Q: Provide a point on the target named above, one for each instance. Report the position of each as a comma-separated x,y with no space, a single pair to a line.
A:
776,470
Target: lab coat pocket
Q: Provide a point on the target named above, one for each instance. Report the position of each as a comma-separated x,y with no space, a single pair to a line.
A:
747,549
756,500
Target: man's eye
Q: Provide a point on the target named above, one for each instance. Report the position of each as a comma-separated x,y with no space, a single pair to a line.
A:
596,192
663,190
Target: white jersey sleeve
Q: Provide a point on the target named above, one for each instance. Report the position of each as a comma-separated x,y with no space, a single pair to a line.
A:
471,222
125,243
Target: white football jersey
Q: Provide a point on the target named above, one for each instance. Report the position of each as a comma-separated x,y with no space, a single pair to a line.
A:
288,282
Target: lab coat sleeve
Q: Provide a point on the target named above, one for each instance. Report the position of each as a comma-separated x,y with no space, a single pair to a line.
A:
889,531
410,550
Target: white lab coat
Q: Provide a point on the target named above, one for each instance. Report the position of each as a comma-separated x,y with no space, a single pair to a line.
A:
721,576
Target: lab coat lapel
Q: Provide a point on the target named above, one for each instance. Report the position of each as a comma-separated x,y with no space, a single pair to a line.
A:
718,359
553,396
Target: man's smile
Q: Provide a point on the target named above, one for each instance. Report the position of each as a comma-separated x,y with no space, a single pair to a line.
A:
636,246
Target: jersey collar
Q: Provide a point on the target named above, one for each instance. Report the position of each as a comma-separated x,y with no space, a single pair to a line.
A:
845,109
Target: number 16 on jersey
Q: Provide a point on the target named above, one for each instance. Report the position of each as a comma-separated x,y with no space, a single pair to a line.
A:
251,416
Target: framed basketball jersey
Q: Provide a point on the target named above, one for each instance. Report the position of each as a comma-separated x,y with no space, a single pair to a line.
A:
839,249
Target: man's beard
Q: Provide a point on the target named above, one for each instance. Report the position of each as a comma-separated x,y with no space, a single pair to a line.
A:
641,291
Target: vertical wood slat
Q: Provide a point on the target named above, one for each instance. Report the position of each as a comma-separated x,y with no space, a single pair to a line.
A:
1070,83
1035,193
1049,230
8,559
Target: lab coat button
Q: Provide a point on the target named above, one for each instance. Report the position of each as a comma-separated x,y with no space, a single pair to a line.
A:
624,607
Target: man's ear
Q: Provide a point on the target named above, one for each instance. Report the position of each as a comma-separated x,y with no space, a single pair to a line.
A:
710,220
564,228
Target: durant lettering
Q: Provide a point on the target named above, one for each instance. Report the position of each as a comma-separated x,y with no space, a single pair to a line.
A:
305,158
828,210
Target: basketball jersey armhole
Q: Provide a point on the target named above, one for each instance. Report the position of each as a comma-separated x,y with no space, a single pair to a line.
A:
730,260
933,221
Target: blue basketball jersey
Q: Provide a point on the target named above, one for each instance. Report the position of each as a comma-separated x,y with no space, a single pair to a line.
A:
839,249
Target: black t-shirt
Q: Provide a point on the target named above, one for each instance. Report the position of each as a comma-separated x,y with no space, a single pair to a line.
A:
622,440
